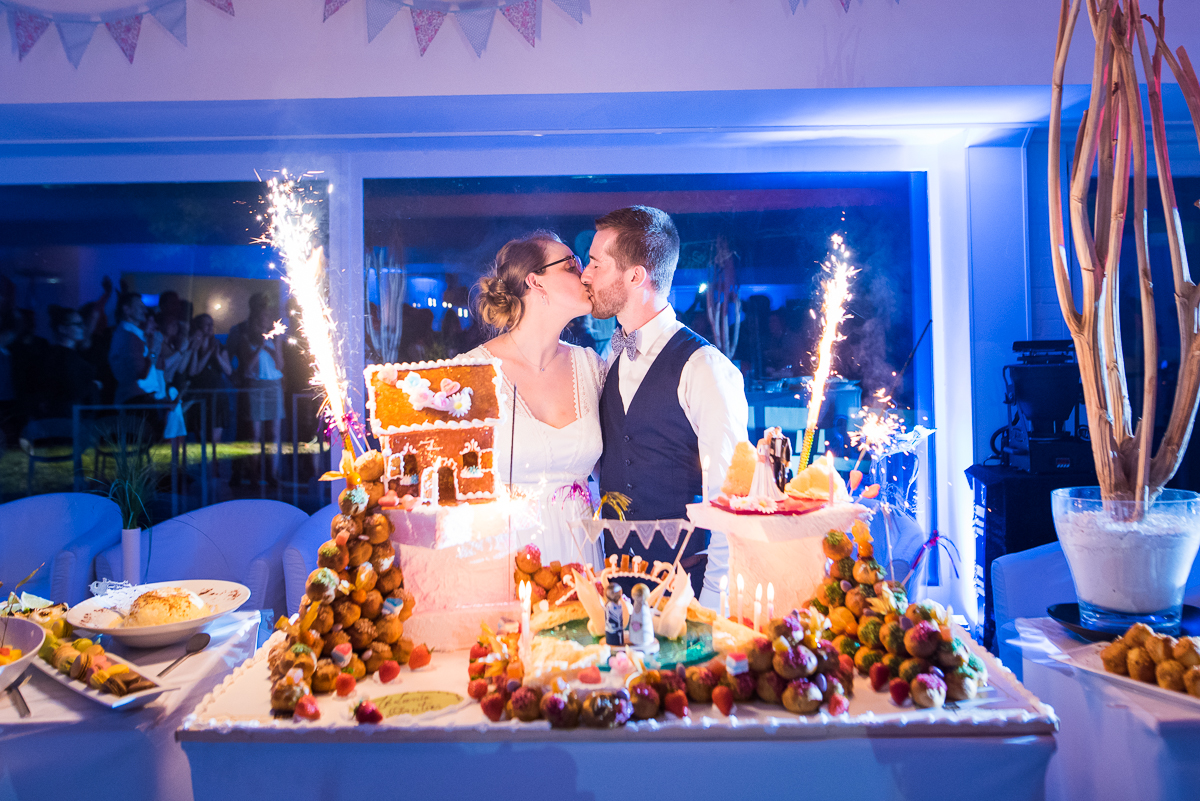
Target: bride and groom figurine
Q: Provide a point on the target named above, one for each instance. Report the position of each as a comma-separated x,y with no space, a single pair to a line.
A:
664,399
640,636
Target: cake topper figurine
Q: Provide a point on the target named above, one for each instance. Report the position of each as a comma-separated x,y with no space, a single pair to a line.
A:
779,450
614,615
641,621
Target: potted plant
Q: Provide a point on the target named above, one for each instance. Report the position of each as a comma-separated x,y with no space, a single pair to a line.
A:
132,489
1130,543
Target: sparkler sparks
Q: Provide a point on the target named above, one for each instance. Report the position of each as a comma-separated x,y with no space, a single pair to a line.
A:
294,232
833,312
276,330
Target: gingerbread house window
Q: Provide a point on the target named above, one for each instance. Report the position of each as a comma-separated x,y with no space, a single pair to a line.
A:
470,465
411,470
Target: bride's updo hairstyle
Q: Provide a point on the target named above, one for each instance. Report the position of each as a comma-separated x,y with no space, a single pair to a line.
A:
501,302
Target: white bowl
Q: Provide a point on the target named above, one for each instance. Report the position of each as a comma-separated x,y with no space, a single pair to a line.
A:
17,632
103,613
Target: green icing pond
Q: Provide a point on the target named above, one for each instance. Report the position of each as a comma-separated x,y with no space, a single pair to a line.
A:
694,647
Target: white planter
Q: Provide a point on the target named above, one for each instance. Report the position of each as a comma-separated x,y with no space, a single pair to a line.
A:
131,555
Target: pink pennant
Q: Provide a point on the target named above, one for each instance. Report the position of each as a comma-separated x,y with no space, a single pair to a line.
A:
846,6
426,24
125,33
30,28
523,17
331,7
222,5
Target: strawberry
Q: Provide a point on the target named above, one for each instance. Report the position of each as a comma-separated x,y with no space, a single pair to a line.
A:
344,685
389,670
420,657
479,651
477,688
838,705
723,699
845,664
493,706
475,670
590,675
676,703
367,712
307,709
880,675
899,690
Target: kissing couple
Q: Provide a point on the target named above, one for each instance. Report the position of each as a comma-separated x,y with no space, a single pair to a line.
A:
643,419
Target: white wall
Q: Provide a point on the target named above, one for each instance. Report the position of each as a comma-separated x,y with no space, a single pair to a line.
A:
281,49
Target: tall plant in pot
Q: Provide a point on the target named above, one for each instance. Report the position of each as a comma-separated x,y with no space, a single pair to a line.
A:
132,489
1129,542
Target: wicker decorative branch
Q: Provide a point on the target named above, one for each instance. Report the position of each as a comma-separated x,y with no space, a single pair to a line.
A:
1112,138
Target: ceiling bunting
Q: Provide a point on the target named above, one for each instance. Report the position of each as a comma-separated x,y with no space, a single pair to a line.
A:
794,3
475,17
523,17
846,6
331,7
26,24
426,24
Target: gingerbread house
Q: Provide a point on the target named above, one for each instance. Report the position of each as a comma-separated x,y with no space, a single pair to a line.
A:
436,422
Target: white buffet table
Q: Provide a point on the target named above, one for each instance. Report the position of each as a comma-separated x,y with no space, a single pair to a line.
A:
70,744
1113,742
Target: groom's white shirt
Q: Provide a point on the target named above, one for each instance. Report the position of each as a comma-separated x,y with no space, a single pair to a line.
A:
712,395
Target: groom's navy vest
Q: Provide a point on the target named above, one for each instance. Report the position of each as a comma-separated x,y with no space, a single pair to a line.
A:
651,453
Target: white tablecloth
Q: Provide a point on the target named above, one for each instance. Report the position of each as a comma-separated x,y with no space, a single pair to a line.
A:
1113,742
71,744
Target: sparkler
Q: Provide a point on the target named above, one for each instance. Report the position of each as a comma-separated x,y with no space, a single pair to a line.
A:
833,312
293,233
276,330
875,434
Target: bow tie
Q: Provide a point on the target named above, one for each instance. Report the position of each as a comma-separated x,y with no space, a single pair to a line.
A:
625,342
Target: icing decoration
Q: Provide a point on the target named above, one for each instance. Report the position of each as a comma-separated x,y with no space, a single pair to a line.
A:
737,664
392,606
451,397
341,654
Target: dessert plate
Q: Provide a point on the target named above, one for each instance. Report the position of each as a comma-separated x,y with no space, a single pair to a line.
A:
1068,616
1088,659
17,632
130,701
103,613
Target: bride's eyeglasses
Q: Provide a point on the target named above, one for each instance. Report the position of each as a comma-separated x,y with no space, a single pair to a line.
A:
577,266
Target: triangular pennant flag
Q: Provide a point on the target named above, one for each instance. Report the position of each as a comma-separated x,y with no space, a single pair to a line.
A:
620,530
379,14
173,17
75,36
26,30
477,27
645,531
846,6
594,529
794,3
575,8
222,5
426,24
523,17
125,33
670,530
331,7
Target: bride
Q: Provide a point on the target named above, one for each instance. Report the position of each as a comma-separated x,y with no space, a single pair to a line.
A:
532,292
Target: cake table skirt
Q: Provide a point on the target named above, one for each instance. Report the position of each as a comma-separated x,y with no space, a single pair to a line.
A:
881,768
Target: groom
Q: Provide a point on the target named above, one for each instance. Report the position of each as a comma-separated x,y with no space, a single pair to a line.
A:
670,398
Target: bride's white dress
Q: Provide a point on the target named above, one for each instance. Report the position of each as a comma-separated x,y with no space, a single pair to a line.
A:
550,466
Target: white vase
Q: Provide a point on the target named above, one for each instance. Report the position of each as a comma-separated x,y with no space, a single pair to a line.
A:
131,555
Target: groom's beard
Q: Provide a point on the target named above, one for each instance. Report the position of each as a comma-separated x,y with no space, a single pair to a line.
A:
609,301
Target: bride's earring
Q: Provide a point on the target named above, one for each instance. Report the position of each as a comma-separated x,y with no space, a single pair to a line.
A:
545,299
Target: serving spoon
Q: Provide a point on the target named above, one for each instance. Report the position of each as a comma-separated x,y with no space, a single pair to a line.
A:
195,644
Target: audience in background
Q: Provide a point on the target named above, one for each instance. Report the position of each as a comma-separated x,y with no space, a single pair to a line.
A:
211,372
66,377
260,363
135,350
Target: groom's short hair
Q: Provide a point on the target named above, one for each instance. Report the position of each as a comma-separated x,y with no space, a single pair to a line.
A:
645,236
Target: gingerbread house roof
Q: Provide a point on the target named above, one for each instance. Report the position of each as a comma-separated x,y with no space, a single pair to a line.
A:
449,393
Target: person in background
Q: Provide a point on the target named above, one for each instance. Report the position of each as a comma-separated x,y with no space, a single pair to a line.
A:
27,351
211,372
67,378
235,345
97,337
134,352
260,361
